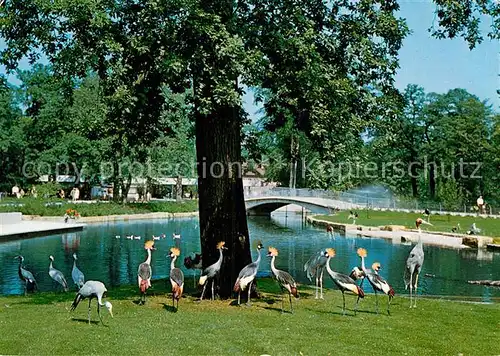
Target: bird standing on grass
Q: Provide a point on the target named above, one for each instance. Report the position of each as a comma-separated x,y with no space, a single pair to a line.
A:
247,276
413,267
427,214
376,281
144,272
421,221
359,272
93,289
25,275
314,267
353,215
57,275
212,271
284,279
195,263
77,275
343,282
176,277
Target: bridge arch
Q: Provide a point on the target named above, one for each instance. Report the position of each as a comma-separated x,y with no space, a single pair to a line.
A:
266,205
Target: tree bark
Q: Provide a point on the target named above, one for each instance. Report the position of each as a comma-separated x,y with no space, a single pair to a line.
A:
220,188
178,188
432,180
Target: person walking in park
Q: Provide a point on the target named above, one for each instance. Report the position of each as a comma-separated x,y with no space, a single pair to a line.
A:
15,191
480,205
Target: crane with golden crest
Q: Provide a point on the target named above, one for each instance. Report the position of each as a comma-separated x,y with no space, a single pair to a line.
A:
145,272
343,282
378,283
284,279
176,277
212,271
247,276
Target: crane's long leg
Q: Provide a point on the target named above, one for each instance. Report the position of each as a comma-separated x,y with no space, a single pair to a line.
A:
343,308
90,299
26,288
290,298
389,306
321,283
239,296
203,291
416,292
376,299
249,292
356,306
316,287
282,311
213,281
411,288
99,312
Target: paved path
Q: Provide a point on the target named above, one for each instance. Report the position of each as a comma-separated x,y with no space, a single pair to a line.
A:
23,228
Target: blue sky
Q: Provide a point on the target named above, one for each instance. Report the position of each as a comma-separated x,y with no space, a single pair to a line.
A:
441,65
436,65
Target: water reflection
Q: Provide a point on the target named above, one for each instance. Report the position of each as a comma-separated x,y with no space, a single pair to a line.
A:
114,261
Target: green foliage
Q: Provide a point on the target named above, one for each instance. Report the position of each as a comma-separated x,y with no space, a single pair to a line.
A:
58,207
463,19
47,190
450,195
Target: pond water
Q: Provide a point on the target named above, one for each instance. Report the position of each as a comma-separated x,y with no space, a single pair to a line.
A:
114,261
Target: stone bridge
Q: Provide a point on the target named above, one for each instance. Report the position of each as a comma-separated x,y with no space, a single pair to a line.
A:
265,201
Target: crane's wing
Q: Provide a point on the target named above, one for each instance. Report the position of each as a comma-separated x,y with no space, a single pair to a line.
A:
78,277
28,275
285,278
248,270
315,262
177,276
144,271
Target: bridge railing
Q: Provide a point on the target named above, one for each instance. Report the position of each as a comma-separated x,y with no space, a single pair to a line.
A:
364,201
255,192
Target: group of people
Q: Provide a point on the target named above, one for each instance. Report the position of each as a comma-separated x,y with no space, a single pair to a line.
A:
19,192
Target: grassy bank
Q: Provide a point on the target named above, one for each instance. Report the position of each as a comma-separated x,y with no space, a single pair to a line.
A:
41,324
58,208
444,223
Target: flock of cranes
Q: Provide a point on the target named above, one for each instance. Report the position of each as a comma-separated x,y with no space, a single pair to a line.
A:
314,268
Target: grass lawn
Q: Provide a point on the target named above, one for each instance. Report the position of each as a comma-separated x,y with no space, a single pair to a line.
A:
41,324
488,226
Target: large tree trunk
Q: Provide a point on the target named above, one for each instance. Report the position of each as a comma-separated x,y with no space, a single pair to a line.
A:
220,189
432,180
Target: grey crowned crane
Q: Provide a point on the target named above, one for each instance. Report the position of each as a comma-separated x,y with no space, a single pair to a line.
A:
57,275
144,272
90,290
343,282
413,267
78,277
195,263
358,272
26,276
212,271
284,279
247,276
176,277
314,268
376,281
